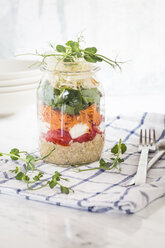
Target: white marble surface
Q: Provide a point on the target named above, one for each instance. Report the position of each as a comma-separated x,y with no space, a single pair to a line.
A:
30,224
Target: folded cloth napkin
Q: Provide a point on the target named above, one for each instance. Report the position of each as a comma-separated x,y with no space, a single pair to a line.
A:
98,190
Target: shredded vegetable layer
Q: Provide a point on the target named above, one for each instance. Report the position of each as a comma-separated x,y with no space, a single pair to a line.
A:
57,120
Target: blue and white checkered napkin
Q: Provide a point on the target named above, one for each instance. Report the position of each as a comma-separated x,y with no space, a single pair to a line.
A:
101,191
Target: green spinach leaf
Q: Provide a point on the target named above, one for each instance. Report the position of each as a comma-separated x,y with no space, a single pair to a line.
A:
69,100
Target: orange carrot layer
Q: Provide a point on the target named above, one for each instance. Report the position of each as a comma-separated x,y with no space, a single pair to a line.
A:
57,120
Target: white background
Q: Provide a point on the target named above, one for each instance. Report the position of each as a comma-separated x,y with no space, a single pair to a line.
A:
132,30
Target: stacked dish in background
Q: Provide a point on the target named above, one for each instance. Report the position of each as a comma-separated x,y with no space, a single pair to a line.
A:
18,84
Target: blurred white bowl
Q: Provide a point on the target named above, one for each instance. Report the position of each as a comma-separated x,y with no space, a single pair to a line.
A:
18,88
14,69
20,81
13,102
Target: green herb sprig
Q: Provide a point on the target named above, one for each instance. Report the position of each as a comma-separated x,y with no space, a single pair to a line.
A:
55,180
117,150
71,52
37,179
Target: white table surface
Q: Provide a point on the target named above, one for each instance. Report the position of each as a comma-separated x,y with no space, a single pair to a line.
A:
30,224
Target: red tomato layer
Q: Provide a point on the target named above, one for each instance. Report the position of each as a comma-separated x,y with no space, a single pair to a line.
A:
60,137
86,137
63,138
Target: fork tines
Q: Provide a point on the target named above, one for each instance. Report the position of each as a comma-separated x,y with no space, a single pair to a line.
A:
147,141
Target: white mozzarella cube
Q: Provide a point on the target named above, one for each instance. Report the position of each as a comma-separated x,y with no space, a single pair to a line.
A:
78,130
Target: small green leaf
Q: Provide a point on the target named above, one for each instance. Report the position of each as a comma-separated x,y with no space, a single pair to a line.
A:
16,169
74,46
52,184
98,58
29,161
1,154
30,166
69,43
103,164
14,158
14,151
91,95
56,173
92,50
30,158
56,176
40,174
120,160
26,178
37,177
90,58
102,161
123,148
60,49
64,190
114,150
19,176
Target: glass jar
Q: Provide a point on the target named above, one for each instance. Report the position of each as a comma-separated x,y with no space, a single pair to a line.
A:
70,113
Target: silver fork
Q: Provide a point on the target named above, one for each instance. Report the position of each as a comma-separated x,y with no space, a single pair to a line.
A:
144,147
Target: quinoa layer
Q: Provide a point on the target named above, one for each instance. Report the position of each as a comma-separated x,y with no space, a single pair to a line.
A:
75,154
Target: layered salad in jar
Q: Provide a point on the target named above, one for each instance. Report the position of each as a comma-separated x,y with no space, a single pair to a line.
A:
71,116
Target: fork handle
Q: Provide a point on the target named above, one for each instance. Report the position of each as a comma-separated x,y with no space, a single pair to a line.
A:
150,164
157,156
142,167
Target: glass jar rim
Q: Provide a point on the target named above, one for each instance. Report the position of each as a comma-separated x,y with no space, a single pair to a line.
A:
93,68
